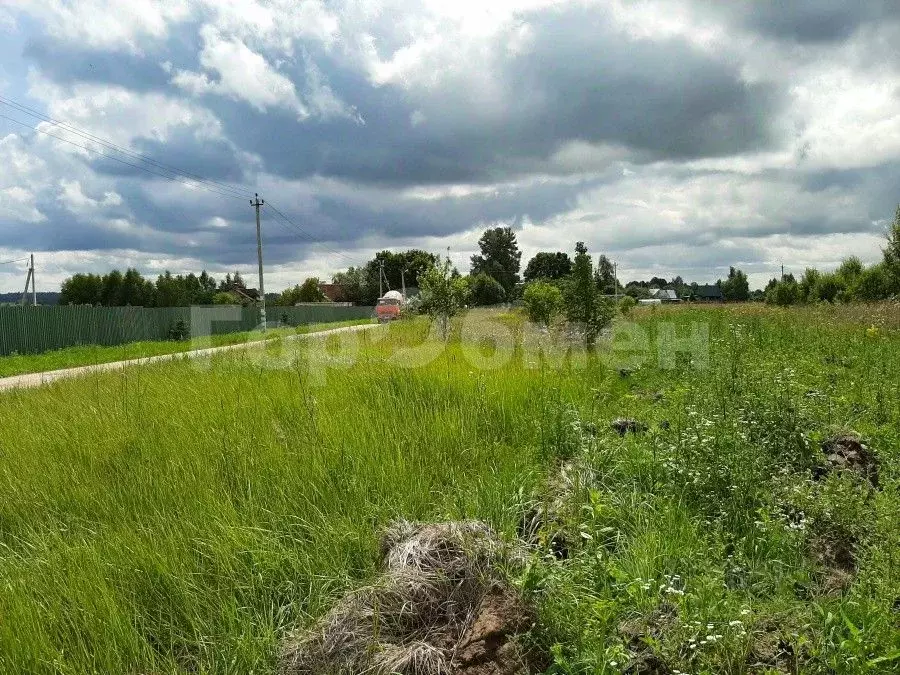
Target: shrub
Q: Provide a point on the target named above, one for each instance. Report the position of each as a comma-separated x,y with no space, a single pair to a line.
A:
783,293
584,304
485,290
179,331
543,302
626,304
442,294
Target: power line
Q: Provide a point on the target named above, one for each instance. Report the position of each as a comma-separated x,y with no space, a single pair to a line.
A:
310,237
122,161
9,262
118,148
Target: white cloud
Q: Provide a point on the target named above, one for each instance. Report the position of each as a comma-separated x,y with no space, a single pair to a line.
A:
95,23
241,74
72,197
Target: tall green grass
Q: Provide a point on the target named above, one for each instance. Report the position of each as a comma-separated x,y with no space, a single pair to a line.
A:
86,355
182,517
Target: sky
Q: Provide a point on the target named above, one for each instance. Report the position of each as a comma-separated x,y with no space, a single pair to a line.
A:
678,137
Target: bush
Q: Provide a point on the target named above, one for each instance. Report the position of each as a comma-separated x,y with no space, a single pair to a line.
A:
442,295
543,302
783,293
485,290
626,304
585,306
179,331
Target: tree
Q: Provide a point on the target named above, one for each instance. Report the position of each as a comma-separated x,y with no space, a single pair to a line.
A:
545,265
81,289
225,298
735,287
310,291
583,303
485,290
137,291
353,285
605,276
873,284
442,295
827,288
783,293
892,255
500,257
543,302
806,289
111,292
626,304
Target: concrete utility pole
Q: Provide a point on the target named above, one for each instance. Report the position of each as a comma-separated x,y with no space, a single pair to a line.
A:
403,281
616,281
262,289
380,277
30,280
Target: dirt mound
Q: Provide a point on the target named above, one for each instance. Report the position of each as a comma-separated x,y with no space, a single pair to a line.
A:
440,607
835,552
640,633
547,521
848,453
771,651
623,425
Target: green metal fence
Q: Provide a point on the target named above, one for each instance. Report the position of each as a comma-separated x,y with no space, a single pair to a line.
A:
32,330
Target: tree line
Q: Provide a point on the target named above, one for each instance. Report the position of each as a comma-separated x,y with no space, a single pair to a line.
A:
117,289
852,281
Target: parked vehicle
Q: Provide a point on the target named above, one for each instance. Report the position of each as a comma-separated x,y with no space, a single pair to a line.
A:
389,306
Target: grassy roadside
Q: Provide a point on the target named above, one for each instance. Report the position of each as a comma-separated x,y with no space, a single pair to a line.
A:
184,517
72,357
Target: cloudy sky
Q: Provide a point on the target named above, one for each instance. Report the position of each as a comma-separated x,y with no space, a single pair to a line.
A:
677,137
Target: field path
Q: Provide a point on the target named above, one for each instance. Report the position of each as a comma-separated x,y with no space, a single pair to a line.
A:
32,380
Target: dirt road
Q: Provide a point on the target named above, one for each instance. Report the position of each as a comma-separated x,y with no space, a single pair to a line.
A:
32,380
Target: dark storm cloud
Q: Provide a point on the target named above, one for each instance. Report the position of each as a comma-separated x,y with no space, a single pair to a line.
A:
657,99
66,63
213,159
496,114
811,21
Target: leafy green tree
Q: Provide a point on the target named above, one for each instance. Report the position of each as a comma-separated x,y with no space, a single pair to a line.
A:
806,288
873,284
225,298
545,265
500,257
829,287
735,287
626,304
354,285
892,255
81,289
136,291
584,305
309,291
784,293
111,292
605,276
442,294
543,302
289,297
485,290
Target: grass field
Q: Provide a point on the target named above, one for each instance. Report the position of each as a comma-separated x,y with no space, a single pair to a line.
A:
183,517
72,357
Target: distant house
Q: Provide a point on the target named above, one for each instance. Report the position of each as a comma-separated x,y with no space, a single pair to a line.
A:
334,292
665,295
709,293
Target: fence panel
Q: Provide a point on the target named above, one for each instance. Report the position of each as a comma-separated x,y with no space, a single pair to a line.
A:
32,330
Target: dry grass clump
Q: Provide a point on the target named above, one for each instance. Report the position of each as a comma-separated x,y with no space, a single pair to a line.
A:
418,614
